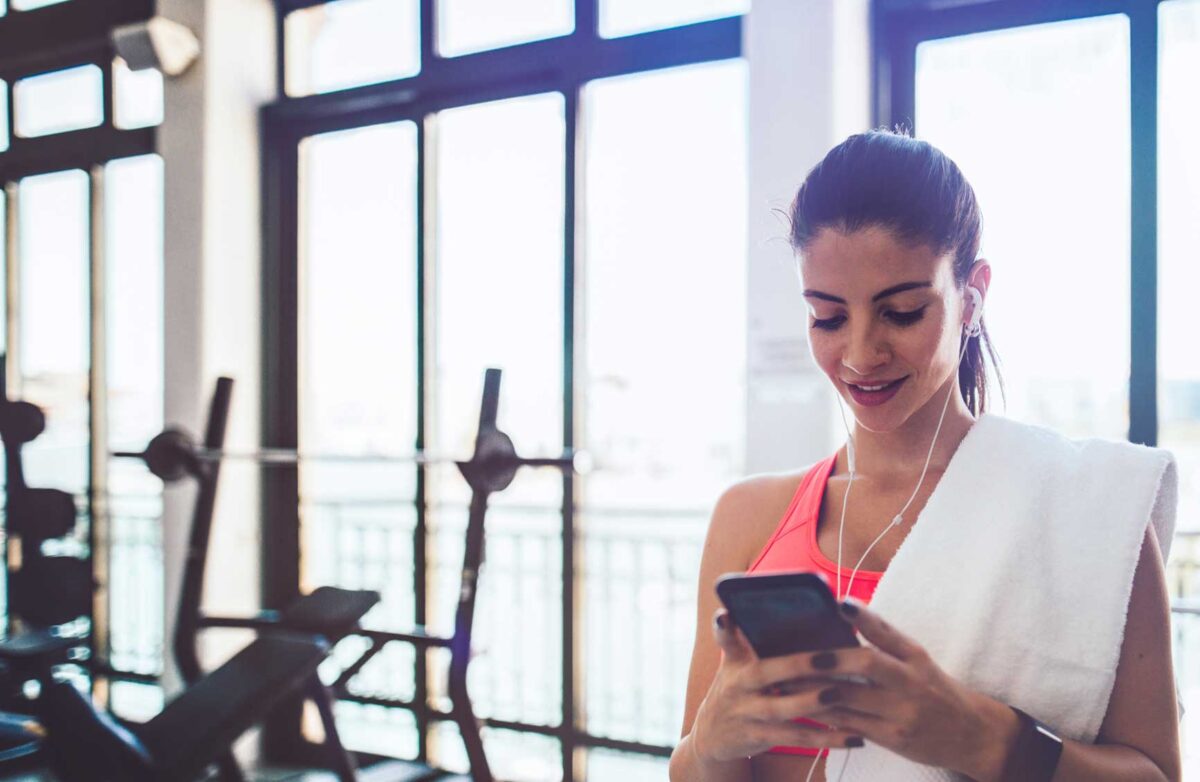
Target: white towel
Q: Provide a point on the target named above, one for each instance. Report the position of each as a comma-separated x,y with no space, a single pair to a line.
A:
1016,576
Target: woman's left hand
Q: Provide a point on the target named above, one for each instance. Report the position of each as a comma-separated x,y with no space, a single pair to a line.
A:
912,707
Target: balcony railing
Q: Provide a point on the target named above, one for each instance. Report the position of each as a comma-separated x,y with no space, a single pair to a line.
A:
637,618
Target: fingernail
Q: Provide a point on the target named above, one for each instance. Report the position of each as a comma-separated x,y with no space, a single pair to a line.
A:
823,661
849,609
830,695
854,741
721,621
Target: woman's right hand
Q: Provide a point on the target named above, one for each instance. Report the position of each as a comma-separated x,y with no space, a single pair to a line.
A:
751,704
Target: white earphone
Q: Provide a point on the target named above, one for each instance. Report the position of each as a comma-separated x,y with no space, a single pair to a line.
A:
973,327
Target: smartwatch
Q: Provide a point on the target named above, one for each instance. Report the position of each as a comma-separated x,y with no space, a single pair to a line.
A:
1036,754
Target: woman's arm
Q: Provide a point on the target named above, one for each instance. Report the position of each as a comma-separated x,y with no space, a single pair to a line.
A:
686,765
728,546
1139,738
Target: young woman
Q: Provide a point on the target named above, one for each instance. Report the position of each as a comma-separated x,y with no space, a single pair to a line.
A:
962,684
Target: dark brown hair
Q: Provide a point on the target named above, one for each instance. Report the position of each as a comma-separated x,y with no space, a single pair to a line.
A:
891,180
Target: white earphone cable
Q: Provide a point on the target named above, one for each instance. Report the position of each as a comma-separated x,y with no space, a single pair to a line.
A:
846,499
899,517
816,761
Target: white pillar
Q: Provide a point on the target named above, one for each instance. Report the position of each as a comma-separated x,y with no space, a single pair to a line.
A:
809,64
209,143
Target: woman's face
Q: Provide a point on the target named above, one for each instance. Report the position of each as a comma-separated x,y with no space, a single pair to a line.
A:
885,320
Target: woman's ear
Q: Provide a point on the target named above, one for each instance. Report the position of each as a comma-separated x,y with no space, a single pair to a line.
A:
980,277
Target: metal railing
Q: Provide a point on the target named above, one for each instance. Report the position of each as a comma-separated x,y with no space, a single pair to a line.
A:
637,620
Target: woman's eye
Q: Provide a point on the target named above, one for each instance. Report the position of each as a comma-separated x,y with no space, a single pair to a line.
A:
906,318
828,324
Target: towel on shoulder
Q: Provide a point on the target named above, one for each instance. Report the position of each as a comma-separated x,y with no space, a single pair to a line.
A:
1017,574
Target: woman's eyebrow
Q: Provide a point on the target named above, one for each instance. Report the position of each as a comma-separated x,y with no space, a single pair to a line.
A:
883,294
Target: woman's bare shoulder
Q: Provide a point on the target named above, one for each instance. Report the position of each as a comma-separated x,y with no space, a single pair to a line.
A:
749,510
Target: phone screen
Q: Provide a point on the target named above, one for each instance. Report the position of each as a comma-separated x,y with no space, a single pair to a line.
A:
785,613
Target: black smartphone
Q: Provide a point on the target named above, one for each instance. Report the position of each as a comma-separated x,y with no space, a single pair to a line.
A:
785,613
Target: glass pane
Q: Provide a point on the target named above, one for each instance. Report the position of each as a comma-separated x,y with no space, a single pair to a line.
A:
54,325
606,765
499,303
136,702
133,231
29,5
1179,235
664,234
1186,648
349,43
626,17
515,675
3,115
527,757
56,102
474,25
1046,104
139,96
358,377
381,730
500,206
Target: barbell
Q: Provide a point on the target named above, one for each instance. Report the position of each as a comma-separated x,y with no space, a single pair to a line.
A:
173,454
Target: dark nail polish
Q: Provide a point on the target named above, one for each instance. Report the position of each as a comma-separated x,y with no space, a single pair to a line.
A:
823,661
849,609
830,695
854,741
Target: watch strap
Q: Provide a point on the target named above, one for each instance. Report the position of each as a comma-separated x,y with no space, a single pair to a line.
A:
1036,754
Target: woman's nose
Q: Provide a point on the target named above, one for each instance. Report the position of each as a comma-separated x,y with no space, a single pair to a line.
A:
864,353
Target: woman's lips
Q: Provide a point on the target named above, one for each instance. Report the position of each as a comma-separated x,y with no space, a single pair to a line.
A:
870,398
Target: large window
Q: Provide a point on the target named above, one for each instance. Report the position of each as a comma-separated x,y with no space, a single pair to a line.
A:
499,209
663,234
1014,108
133,252
454,205
1075,121
82,256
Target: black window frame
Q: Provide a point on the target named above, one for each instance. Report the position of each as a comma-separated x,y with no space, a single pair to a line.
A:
900,26
563,64
53,38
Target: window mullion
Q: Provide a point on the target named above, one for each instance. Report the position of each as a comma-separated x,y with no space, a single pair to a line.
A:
587,19
98,410
12,273
425,194
1143,203
574,765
